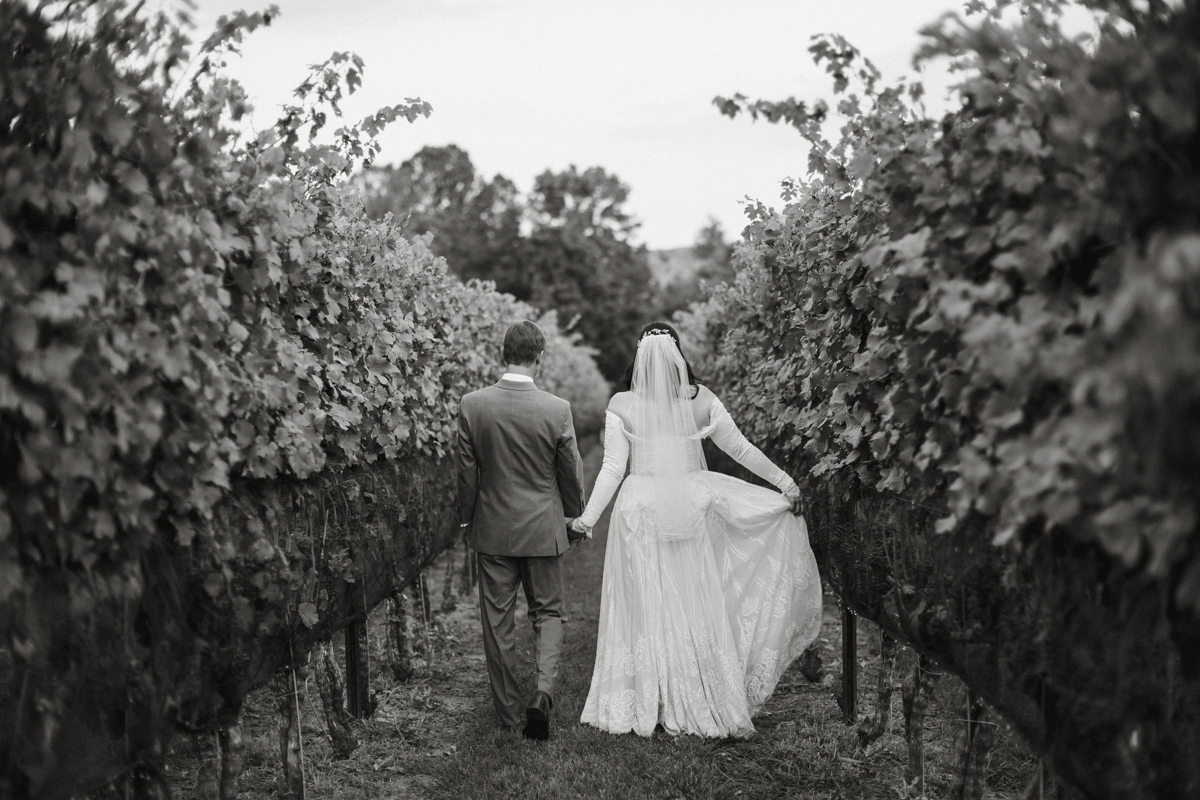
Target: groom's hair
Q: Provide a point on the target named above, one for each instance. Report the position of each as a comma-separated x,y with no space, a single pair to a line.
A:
523,343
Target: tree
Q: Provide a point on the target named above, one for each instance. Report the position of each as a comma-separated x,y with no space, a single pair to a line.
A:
475,222
711,246
715,257
578,259
589,202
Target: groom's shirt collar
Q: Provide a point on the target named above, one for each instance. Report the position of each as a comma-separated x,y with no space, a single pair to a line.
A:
514,376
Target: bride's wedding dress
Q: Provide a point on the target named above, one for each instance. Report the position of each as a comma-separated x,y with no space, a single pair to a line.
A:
710,588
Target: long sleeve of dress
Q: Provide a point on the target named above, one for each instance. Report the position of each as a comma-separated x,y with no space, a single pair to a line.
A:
612,471
726,436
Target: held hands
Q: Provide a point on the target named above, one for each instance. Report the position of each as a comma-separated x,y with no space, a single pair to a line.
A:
577,531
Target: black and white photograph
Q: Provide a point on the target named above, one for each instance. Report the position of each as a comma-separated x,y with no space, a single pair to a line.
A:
632,400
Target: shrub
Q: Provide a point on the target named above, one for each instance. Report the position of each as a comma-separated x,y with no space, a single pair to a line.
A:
995,311
976,342
185,311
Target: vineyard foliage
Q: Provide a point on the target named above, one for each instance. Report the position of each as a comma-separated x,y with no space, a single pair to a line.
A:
995,314
184,306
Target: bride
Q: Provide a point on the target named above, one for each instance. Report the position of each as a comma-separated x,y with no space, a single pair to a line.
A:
710,588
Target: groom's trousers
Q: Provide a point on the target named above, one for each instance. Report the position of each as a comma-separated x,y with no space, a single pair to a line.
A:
499,578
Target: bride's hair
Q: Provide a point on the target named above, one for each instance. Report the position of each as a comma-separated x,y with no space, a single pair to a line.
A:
656,327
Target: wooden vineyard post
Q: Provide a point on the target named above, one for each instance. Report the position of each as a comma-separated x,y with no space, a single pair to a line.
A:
426,603
449,602
291,740
397,625
915,693
875,726
358,670
849,698
974,741
422,590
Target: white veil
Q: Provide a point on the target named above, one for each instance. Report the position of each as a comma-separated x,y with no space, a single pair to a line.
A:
665,446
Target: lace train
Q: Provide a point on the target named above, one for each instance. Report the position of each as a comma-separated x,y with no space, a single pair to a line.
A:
695,632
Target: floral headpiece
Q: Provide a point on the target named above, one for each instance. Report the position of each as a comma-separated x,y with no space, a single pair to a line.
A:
655,332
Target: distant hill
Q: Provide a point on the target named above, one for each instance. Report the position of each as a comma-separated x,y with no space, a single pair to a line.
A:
669,265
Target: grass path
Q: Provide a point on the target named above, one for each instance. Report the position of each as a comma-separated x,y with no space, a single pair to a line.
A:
436,736
801,749
580,761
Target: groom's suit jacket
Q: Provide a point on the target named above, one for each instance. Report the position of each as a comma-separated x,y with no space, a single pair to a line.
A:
519,473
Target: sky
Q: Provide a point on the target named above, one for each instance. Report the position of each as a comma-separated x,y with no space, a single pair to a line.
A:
529,85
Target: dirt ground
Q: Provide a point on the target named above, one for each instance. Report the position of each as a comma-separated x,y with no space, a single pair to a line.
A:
435,735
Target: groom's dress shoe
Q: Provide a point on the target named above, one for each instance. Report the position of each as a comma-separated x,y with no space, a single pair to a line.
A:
537,716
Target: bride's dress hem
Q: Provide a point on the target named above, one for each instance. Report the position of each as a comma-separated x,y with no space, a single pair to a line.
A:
659,728
695,631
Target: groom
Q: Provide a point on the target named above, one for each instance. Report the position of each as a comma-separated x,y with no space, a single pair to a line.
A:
520,481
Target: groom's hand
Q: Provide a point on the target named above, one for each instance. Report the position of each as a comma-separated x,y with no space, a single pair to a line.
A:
576,532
